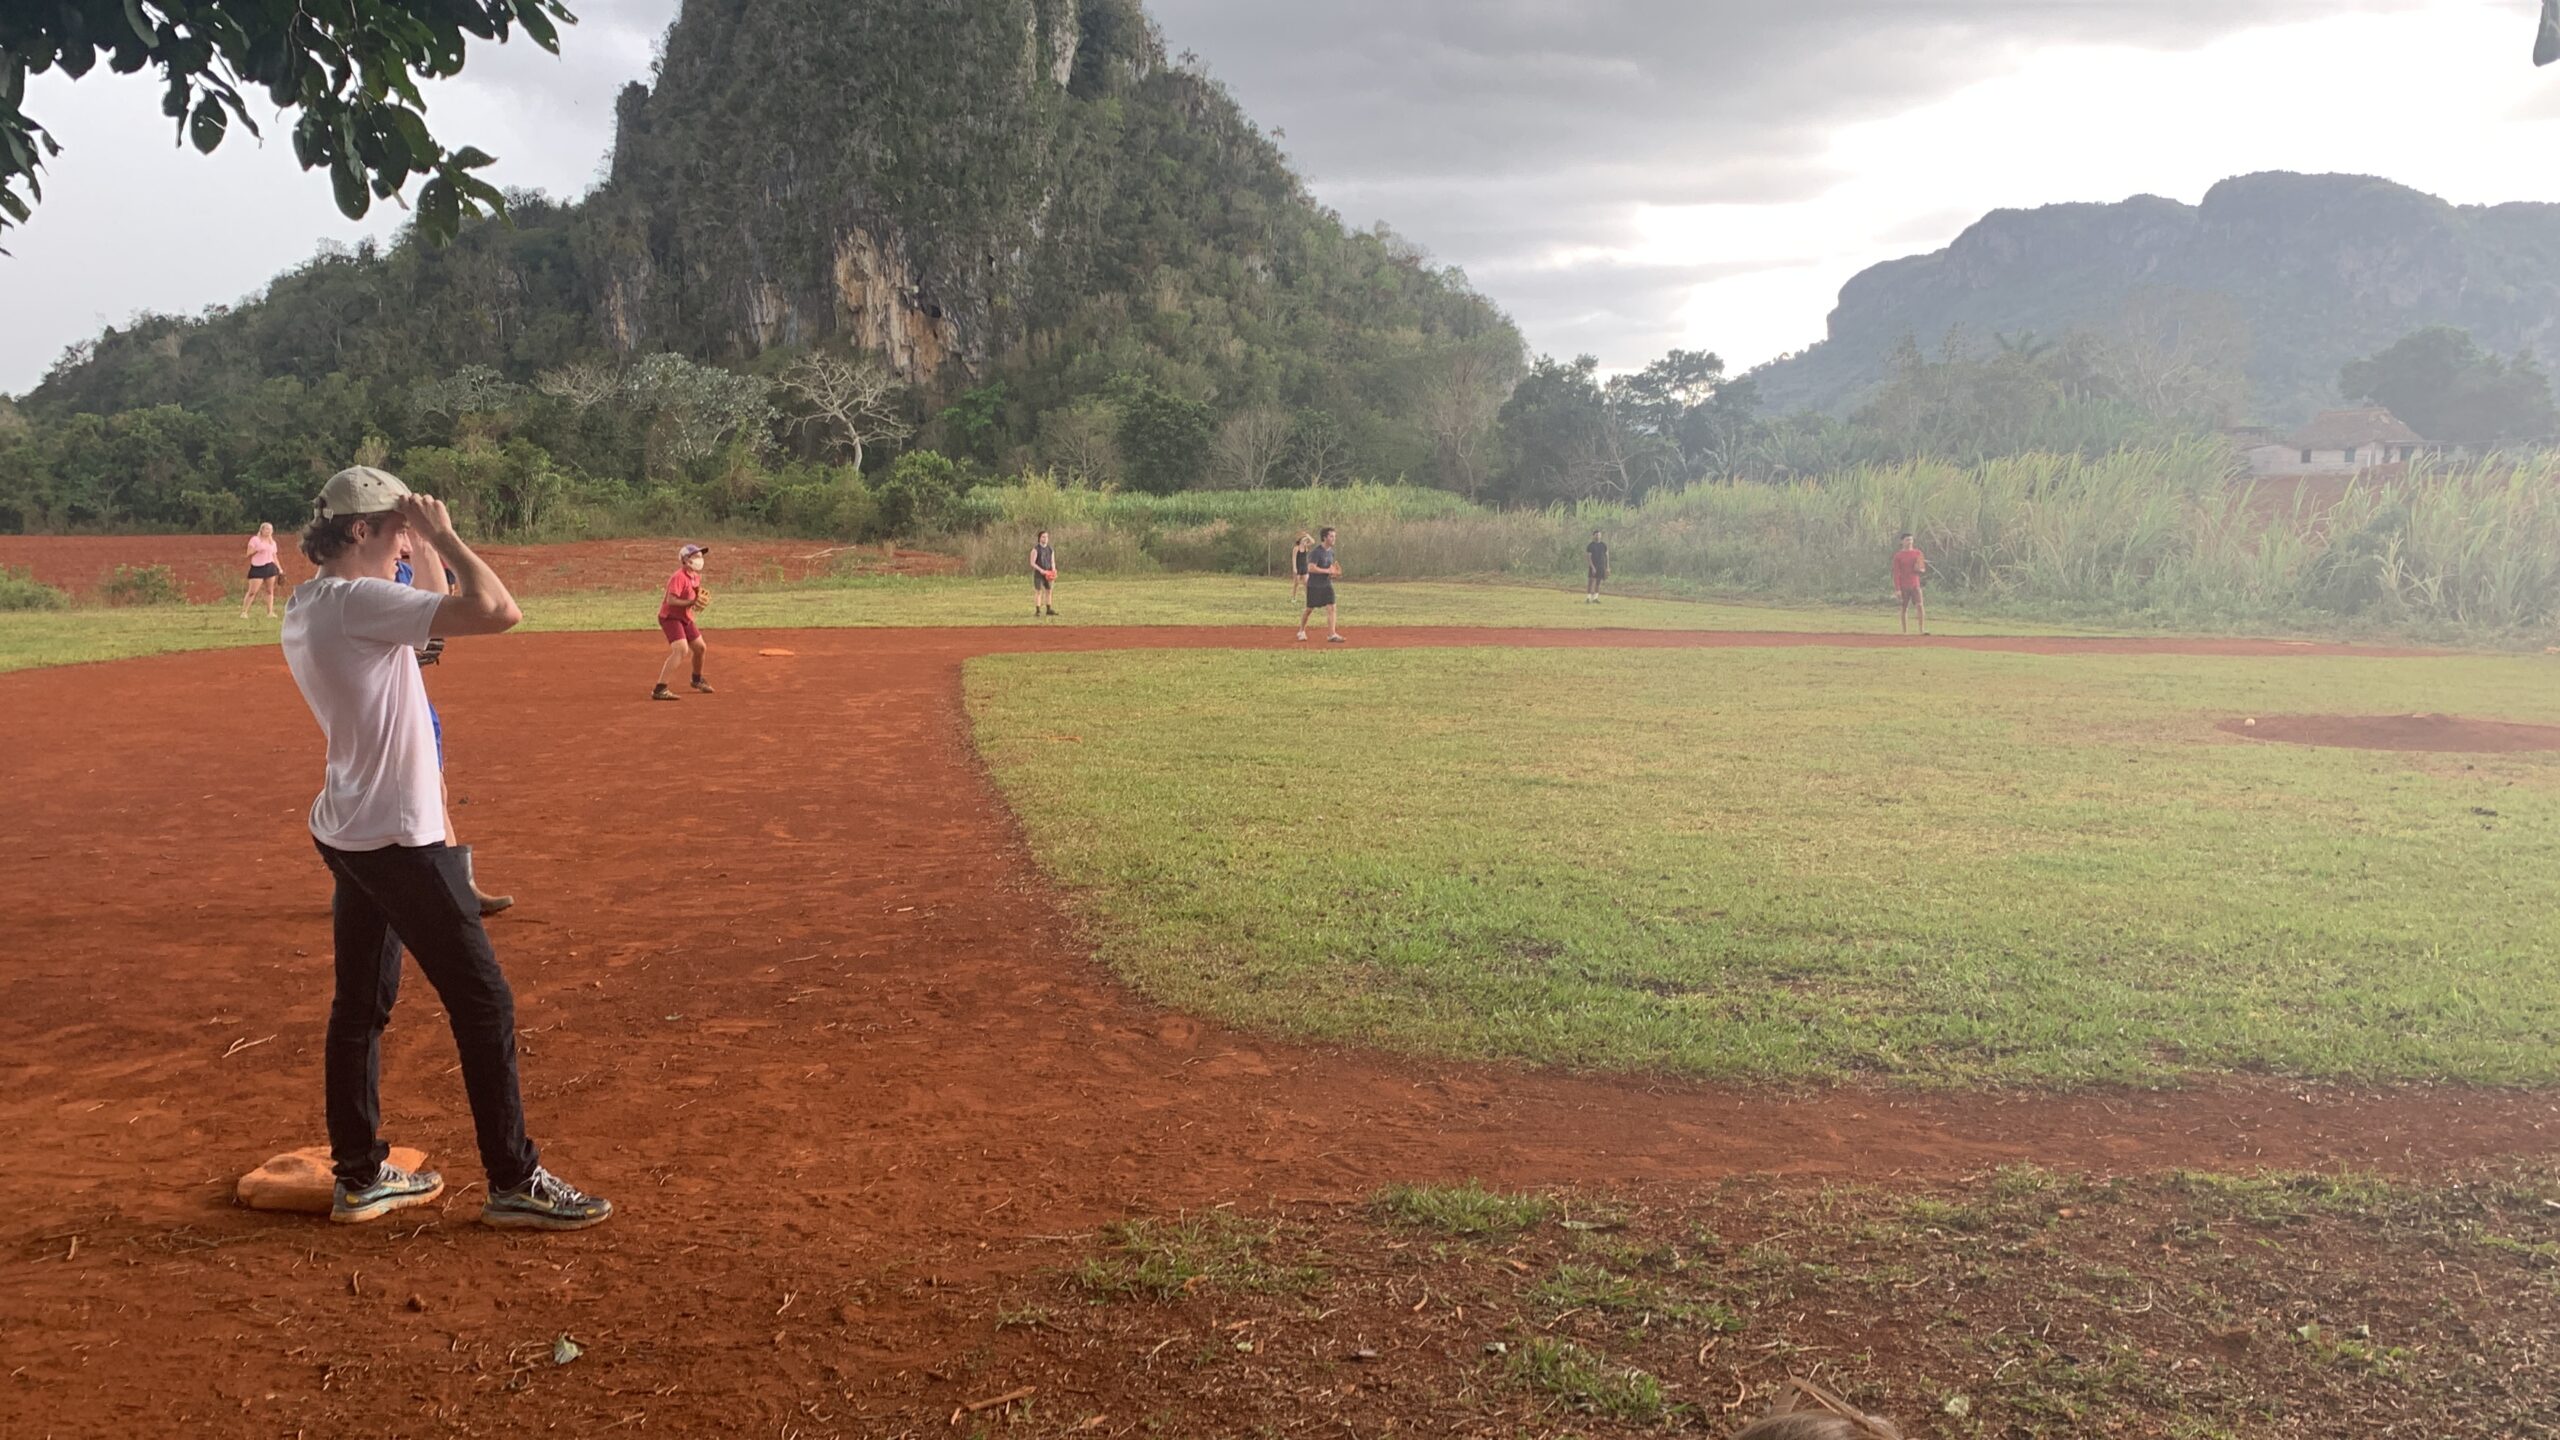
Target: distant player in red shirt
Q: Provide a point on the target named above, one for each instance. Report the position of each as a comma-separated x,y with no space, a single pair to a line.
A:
1910,572
684,596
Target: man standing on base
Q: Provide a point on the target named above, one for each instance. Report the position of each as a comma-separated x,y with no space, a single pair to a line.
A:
351,636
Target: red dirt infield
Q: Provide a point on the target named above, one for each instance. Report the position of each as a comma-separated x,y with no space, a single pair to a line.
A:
793,993
212,568
2449,734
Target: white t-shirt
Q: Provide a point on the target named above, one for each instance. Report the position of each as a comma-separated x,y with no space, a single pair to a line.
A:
353,646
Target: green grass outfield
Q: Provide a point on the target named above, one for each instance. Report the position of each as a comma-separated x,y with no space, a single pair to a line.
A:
64,637
1932,866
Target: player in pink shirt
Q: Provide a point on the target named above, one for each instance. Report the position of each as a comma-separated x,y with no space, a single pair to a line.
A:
1910,573
684,597
263,571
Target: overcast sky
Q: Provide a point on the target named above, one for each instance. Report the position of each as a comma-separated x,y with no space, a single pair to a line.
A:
1622,175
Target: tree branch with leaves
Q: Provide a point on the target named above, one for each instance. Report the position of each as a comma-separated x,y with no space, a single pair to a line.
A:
349,69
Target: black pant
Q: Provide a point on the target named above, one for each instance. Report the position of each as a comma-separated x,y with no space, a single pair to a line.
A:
419,897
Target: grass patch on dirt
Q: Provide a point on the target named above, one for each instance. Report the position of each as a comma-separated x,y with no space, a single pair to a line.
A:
2155,1306
29,639
1584,1381
1924,865
1161,1259
1467,1209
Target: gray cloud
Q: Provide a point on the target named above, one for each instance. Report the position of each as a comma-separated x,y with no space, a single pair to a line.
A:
1494,132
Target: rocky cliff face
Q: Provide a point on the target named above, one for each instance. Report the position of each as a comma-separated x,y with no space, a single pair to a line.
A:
2321,268
898,176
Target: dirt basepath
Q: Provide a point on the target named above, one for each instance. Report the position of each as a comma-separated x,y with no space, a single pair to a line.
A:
210,568
791,991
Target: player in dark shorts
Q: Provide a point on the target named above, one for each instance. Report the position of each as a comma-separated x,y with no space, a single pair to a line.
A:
1322,571
1598,549
1298,562
1044,576
264,573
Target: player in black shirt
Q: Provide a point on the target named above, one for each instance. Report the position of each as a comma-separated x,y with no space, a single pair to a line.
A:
1322,571
1044,576
1599,551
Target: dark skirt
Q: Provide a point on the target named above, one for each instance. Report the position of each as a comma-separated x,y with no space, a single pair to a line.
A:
265,572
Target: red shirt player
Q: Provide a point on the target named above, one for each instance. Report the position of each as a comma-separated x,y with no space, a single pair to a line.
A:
676,608
1910,572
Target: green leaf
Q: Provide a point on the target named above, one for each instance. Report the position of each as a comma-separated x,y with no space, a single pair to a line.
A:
141,24
10,202
481,192
348,182
412,129
207,129
472,157
439,210
538,25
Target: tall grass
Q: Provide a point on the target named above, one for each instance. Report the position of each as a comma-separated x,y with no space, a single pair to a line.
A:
2168,534
1106,532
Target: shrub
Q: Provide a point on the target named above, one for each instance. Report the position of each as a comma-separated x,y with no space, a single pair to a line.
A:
920,495
141,585
21,590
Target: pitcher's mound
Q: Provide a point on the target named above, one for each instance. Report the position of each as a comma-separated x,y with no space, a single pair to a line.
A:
2400,732
300,1181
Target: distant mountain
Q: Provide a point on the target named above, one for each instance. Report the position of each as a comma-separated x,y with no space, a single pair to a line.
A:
2322,269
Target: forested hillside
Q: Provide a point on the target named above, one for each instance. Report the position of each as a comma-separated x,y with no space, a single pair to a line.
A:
1021,234
2297,274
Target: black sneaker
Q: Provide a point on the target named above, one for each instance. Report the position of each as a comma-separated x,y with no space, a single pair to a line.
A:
392,1189
663,693
701,684
545,1202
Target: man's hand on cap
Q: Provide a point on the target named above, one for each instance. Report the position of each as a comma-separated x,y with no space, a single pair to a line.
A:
426,514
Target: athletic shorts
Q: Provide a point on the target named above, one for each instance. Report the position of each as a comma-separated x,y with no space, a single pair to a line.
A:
1599,572
679,626
1910,594
1039,581
1319,591
265,572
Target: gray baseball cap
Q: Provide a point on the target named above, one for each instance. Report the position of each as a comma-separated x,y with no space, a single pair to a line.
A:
360,490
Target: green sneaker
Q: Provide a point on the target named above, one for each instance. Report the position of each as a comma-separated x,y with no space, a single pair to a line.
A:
392,1189
545,1202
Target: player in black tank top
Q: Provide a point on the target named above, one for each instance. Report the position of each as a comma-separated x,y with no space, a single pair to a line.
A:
1044,576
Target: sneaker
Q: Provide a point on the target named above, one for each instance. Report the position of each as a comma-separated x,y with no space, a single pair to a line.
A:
1333,639
492,904
702,685
1302,634
545,1202
392,1189
663,693
1053,612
